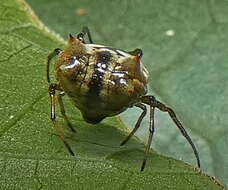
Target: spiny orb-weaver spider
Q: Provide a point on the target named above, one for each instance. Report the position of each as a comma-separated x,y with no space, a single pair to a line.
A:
102,82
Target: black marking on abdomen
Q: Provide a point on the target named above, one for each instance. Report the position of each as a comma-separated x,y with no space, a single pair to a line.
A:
96,83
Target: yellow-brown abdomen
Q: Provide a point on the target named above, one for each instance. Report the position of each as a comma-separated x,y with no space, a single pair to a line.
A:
100,82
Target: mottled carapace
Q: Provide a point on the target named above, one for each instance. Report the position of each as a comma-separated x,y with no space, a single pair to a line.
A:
103,82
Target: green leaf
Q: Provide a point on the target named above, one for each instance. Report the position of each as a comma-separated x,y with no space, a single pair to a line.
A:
33,157
184,44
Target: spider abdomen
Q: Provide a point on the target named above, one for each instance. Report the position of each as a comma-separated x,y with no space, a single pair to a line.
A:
100,82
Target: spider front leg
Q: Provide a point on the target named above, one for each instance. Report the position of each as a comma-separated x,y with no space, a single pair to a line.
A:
63,112
52,92
150,100
56,52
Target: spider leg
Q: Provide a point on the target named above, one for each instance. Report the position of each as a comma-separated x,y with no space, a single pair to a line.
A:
63,112
81,35
151,130
86,30
52,91
56,51
150,100
137,125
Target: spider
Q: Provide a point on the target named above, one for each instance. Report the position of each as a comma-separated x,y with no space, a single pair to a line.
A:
102,82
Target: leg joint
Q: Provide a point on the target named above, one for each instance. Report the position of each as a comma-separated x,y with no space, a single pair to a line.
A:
151,130
53,118
53,87
57,51
149,100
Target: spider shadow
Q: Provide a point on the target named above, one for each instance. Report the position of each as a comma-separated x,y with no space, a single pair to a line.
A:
102,141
